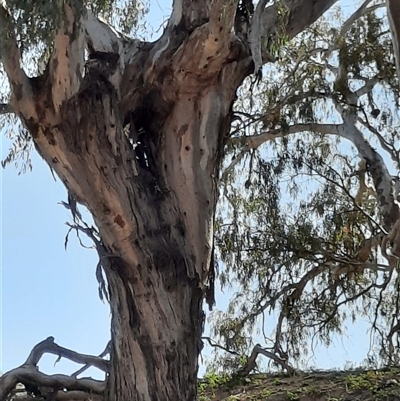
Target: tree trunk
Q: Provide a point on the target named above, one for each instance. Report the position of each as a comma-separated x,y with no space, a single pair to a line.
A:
139,140
156,331
149,178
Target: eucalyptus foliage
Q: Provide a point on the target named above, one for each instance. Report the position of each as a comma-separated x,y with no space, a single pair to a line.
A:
289,214
35,26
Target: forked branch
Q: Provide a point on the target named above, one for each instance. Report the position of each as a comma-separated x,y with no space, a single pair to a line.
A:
60,386
257,350
50,347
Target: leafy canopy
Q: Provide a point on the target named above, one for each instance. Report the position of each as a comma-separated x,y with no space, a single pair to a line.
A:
297,228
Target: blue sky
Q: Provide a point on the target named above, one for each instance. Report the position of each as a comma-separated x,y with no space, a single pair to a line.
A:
47,291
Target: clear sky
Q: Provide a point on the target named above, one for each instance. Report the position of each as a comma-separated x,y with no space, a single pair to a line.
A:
47,291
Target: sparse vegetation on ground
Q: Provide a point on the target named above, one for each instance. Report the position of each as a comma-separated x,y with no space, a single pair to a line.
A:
350,385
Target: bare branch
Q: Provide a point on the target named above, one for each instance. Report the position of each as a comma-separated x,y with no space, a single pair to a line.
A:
254,141
256,35
28,373
49,346
395,329
87,366
74,395
369,85
234,162
393,237
384,144
251,362
298,20
216,345
77,396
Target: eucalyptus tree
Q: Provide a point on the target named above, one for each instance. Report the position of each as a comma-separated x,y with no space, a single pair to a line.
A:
137,132
309,229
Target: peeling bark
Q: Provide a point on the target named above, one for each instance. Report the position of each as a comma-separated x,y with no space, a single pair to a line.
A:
137,136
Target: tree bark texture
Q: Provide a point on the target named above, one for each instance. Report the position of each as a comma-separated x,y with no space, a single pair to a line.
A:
137,136
148,173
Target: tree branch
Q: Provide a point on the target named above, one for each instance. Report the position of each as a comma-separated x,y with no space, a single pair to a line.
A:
251,362
28,373
376,166
216,345
49,346
379,172
367,87
256,35
10,56
360,12
77,396
67,61
393,10
74,395
87,366
101,37
268,23
233,163
254,141
348,130
383,143
298,20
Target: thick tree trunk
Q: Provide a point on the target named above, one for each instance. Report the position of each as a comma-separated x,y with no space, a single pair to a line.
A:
155,333
139,141
149,177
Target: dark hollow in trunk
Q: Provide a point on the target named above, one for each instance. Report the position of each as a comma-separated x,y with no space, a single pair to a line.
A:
149,177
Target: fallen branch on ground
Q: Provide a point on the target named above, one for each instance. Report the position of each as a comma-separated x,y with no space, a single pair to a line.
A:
59,386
